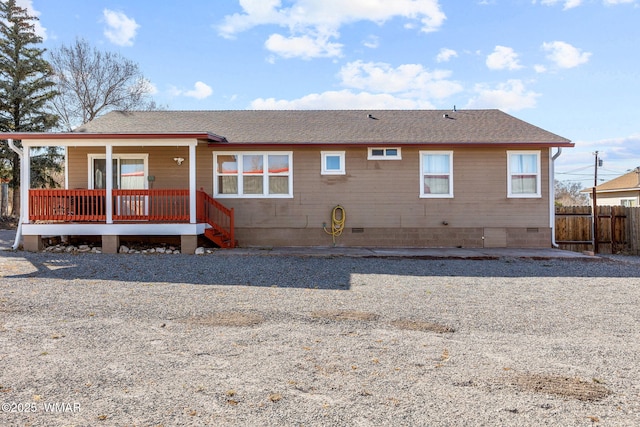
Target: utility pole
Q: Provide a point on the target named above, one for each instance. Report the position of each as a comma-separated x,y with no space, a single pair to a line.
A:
595,171
594,228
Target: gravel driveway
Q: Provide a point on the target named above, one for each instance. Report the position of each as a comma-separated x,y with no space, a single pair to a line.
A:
264,340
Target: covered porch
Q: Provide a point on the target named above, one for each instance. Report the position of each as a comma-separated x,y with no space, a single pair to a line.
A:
111,197
133,212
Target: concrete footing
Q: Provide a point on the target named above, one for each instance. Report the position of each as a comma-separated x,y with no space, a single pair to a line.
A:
110,244
188,243
32,243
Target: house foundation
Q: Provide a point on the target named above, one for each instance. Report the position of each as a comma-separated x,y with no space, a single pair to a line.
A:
188,243
110,244
32,243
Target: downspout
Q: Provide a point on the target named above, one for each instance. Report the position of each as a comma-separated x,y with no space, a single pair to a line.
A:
552,196
20,153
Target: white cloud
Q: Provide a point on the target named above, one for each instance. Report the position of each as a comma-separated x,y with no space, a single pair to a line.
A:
149,87
121,29
446,54
540,68
564,55
38,28
407,80
304,47
619,149
200,91
322,19
372,42
568,4
503,58
375,85
615,2
509,96
344,98
619,154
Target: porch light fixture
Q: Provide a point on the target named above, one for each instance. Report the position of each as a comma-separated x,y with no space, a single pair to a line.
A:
178,160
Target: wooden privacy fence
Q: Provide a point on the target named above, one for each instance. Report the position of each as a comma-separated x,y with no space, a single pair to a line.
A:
617,229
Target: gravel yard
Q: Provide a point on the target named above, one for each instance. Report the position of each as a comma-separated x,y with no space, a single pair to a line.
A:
264,340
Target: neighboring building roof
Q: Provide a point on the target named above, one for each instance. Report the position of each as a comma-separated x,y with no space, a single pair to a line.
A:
626,182
402,127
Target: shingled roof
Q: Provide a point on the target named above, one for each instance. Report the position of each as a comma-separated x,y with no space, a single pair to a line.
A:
403,127
628,181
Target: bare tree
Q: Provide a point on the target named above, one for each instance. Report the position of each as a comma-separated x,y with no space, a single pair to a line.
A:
568,194
91,82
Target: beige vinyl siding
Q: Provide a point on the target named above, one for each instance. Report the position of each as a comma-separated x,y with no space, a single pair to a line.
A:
385,194
162,167
615,198
381,198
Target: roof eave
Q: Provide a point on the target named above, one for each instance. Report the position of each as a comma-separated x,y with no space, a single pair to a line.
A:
617,190
232,144
207,136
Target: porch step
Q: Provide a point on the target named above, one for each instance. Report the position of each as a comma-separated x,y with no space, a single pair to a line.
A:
220,239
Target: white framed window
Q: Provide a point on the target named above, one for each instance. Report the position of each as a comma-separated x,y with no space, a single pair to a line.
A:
253,174
130,171
332,163
436,174
384,153
629,203
523,174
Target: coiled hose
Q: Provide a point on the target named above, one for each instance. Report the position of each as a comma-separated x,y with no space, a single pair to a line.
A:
338,218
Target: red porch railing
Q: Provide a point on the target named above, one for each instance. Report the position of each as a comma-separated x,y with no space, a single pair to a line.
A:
151,205
46,205
219,217
90,205
67,205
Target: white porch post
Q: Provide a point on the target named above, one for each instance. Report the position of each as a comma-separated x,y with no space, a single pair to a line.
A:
109,183
25,182
192,182
66,167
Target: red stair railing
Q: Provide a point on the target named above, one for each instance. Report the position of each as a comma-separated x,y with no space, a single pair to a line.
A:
218,216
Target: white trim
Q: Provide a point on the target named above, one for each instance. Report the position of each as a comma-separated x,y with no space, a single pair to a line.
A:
265,175
129,156
538,193
109,182
81,229
66,167
25,183
192,184
323,163
384,155
424,195
128,142
615,190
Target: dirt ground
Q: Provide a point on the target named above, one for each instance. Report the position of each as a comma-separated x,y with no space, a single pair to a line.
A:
264,340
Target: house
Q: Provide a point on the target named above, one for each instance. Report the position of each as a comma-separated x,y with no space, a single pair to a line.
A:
384,178
621,191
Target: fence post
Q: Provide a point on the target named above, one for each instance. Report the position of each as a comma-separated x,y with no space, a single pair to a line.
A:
4,199
595,221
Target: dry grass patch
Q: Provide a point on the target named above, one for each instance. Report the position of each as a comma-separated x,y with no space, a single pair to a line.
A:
226,318
344,315
419,325
566,387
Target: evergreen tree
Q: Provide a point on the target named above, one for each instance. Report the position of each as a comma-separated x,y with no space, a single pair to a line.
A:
26,88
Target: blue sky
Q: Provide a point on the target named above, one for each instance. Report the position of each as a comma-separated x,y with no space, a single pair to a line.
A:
571,67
